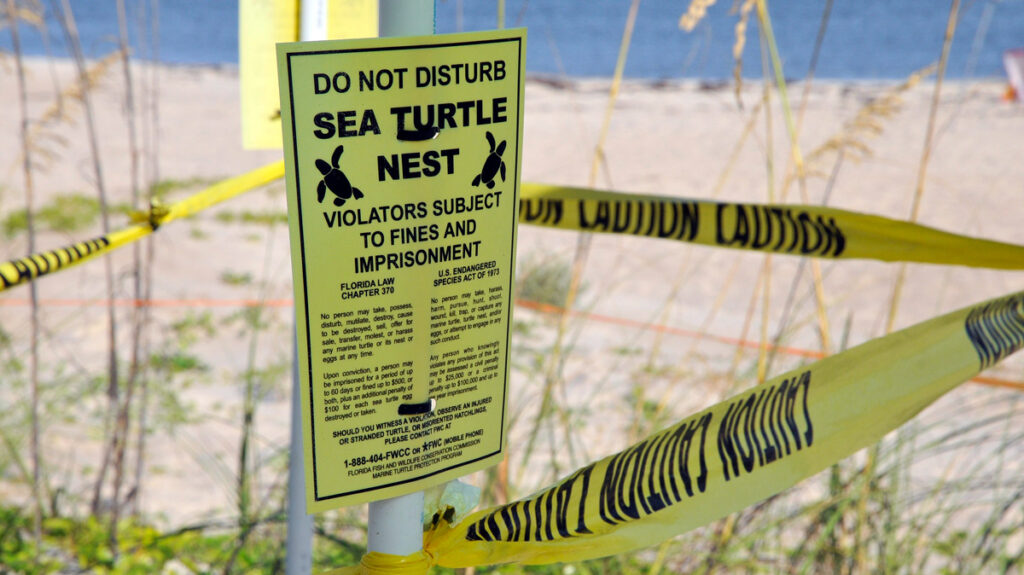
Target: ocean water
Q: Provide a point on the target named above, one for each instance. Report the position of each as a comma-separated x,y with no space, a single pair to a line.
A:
579,38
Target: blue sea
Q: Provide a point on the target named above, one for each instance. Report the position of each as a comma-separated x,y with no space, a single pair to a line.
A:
864,39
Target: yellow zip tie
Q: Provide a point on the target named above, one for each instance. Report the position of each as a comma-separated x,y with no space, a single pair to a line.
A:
374,563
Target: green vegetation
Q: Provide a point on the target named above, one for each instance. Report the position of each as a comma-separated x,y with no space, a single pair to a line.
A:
83,546
544,279
64,213
236,278
249,217
164,188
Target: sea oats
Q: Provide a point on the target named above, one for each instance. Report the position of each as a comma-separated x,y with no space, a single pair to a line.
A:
694,14
868,121
45,135
741,42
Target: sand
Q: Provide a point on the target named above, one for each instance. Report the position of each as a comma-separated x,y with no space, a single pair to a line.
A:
672,138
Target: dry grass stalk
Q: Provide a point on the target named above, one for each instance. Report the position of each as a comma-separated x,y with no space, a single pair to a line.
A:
149,27
556,362
868,123
70,30
770,52
31,15
14,14
45,136
861,553
769,153
139,318
739,45
926,152
694,14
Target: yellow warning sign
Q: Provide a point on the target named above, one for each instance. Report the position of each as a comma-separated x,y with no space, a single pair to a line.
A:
263,23
402,167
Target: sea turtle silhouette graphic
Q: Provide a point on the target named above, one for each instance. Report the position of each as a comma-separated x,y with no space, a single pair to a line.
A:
492,164
335,180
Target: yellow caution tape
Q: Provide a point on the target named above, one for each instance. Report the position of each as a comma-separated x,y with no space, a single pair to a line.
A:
779,228
782,228
22,270
226,190
26,269
740,451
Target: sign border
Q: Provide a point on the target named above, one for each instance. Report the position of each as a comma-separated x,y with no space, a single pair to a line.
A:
518,40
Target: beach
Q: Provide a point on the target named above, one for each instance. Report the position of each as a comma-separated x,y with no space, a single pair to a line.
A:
642,299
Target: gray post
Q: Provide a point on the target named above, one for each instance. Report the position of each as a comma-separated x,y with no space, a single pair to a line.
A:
395,524
299,542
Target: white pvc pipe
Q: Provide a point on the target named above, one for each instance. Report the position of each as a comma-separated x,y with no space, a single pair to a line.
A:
312,20
395,525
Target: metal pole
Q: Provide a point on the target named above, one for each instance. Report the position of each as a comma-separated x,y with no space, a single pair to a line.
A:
395,525
299,542
406,17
